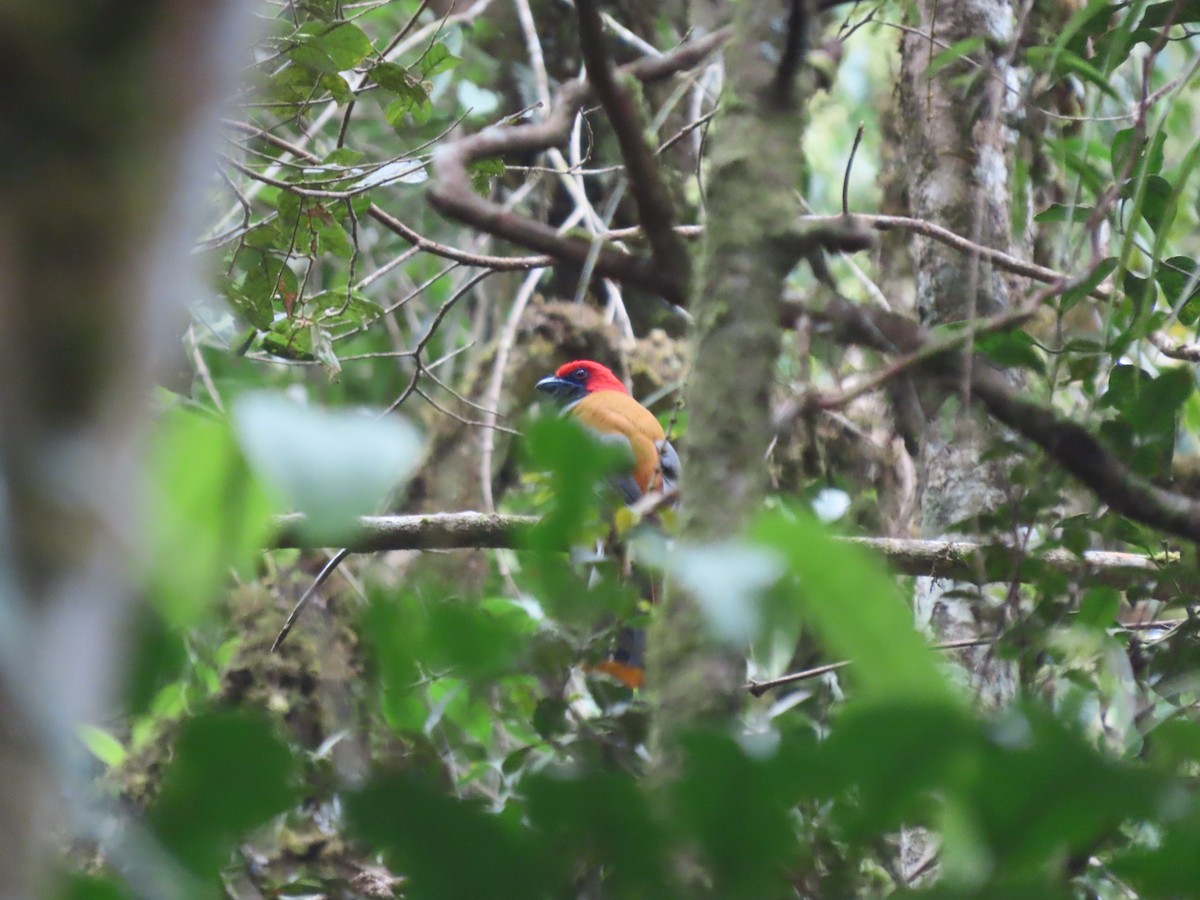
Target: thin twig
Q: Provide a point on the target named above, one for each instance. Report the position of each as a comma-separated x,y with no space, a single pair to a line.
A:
849,165
322,576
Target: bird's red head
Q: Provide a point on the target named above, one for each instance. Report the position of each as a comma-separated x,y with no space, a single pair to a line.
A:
574,380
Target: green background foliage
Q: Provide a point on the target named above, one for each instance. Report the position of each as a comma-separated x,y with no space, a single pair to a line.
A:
459,740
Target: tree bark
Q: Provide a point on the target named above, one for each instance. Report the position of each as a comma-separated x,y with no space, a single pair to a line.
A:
955,150
749,248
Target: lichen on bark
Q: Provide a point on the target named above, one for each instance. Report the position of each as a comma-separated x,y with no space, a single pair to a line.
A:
751,244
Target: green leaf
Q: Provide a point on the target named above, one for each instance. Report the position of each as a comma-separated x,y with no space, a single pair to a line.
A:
1030,757
331,236
158,656
474,644
1157,208
1099,607
192,541
437,59
266,278
290,339
335,308
756,785
482,171
422,833
1011,349
231,772
1073,295
75,886
1151,160
577,461
332,465
891,755
855,605
601,819
1148,404
1058,212
416,104
952,54
394,77
1177,12
330,50
1179,278
102,744
1061,62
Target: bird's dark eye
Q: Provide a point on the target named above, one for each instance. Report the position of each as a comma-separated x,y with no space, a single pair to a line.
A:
580,375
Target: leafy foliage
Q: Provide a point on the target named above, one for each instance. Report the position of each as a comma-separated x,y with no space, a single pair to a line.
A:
449,723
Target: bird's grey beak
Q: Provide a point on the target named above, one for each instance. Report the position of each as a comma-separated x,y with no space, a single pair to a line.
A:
557,387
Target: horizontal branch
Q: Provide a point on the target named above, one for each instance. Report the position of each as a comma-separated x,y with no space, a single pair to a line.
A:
437,531
958,560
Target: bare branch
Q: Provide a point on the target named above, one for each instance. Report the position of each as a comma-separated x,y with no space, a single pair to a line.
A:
1071,445
452,195
641,166
960,560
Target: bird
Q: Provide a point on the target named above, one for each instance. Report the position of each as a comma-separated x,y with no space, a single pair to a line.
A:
590,393
598,400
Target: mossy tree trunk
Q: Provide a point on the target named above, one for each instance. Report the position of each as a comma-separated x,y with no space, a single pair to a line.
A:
750,247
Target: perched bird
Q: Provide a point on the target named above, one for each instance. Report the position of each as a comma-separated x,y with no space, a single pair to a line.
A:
597,399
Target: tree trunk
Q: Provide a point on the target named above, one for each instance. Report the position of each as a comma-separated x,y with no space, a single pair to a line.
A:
955,149
750,247
103,113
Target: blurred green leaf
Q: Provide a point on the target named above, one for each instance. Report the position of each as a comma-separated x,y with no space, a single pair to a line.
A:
330,50
1179,278
602,822
75,886
1011,349
158,656
1058,212
953,53
857,608
331,465
423,834
230,773
1099,607
1177,12
736,803
482,171
1149,404
471,642
1032,756
207,514
1061,62
577,461
103,745
889,758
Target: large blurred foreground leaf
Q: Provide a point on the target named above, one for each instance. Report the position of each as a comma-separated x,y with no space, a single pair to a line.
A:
1016,801
207,514
331,465
856,606
231,772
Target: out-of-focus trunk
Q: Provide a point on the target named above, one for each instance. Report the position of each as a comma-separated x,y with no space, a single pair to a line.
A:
104,115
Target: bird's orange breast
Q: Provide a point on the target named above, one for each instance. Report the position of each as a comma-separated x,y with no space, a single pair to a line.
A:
615,414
